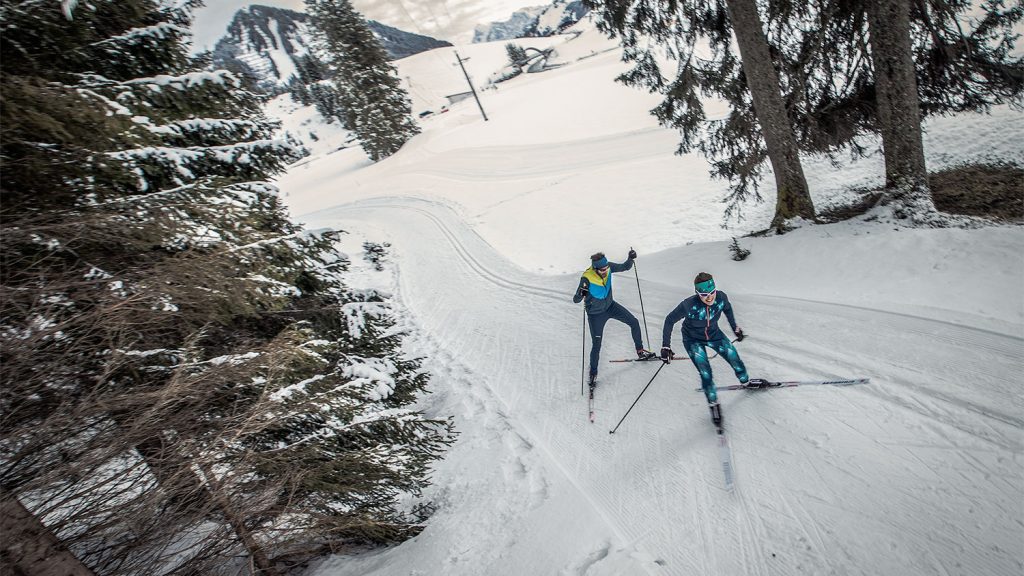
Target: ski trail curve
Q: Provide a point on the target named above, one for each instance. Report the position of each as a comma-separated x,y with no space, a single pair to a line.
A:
865,481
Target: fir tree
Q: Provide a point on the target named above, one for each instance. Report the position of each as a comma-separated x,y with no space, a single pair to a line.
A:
896,102
378,109
311,86
843,58
298,91
516,54
167,335
793,199
757,127
827,77
325,98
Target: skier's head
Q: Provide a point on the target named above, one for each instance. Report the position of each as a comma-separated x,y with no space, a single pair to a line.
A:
704,286
600,264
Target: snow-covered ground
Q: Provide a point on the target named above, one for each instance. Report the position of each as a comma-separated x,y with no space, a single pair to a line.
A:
919,472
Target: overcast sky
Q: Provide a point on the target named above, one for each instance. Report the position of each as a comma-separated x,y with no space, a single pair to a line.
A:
451,20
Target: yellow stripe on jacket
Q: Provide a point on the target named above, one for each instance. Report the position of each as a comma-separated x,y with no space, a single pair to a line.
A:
599,287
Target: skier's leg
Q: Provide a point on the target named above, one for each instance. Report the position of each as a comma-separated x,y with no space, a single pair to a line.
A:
726,350
619,312
597,322
699,357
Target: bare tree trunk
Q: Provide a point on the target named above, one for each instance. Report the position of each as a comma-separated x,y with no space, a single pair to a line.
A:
256,553
897,103
174,475
763,80
29,548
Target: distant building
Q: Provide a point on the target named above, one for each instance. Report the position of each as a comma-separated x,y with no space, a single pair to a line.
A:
453,98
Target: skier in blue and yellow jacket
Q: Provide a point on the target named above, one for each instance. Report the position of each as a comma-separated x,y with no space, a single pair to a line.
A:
700,314
595,289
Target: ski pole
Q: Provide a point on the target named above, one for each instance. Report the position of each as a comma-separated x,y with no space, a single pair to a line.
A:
583,354
636,272
612,431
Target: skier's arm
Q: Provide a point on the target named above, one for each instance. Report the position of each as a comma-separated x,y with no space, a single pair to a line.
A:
670,323
581,291
616,267
727,309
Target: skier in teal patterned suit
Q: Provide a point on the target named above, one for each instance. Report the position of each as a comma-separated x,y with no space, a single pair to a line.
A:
700,314
596,288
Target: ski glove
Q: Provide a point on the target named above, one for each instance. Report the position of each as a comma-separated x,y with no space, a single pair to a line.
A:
739,334
667,354
632,254
584,288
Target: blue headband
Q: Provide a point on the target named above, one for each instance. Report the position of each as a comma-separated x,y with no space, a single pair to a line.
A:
705,287
600,263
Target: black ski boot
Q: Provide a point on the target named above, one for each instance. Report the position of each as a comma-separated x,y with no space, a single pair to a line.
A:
716,414
756,383
642,354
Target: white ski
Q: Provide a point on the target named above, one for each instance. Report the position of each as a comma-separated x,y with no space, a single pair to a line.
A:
758,384
725,455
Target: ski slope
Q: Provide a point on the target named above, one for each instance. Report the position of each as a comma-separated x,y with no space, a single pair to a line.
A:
919,472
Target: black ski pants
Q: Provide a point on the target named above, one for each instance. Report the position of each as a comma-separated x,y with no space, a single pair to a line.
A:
597,321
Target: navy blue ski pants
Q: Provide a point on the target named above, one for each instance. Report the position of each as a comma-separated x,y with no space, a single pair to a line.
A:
699,356
597,321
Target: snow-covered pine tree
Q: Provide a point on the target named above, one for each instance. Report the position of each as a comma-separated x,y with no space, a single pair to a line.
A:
298,91
156,302
516,54
325,97
311,85
378,108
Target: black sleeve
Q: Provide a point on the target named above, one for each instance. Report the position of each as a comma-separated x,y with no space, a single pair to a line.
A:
578,295
615,267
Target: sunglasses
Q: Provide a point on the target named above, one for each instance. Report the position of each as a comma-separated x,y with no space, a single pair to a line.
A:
707,295
603,268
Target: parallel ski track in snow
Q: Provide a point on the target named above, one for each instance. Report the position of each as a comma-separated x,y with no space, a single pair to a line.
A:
998,343
986,411
973,340
740,518
497,279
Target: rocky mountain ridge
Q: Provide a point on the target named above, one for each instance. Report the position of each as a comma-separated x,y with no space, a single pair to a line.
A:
263,43
532,22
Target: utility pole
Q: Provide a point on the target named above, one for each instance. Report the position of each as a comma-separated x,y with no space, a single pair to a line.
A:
468,81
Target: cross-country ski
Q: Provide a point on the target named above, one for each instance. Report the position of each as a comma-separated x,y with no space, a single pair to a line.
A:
725,457
651,359
759,384
590,401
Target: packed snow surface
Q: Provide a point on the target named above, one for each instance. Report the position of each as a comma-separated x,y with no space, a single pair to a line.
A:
919,472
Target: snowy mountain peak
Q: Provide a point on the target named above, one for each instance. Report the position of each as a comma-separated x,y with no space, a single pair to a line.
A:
531,22
263,42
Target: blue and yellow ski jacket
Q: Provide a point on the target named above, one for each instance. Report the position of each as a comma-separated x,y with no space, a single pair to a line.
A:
599,297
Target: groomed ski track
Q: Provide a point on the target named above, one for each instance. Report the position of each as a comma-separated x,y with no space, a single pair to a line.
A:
916,473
